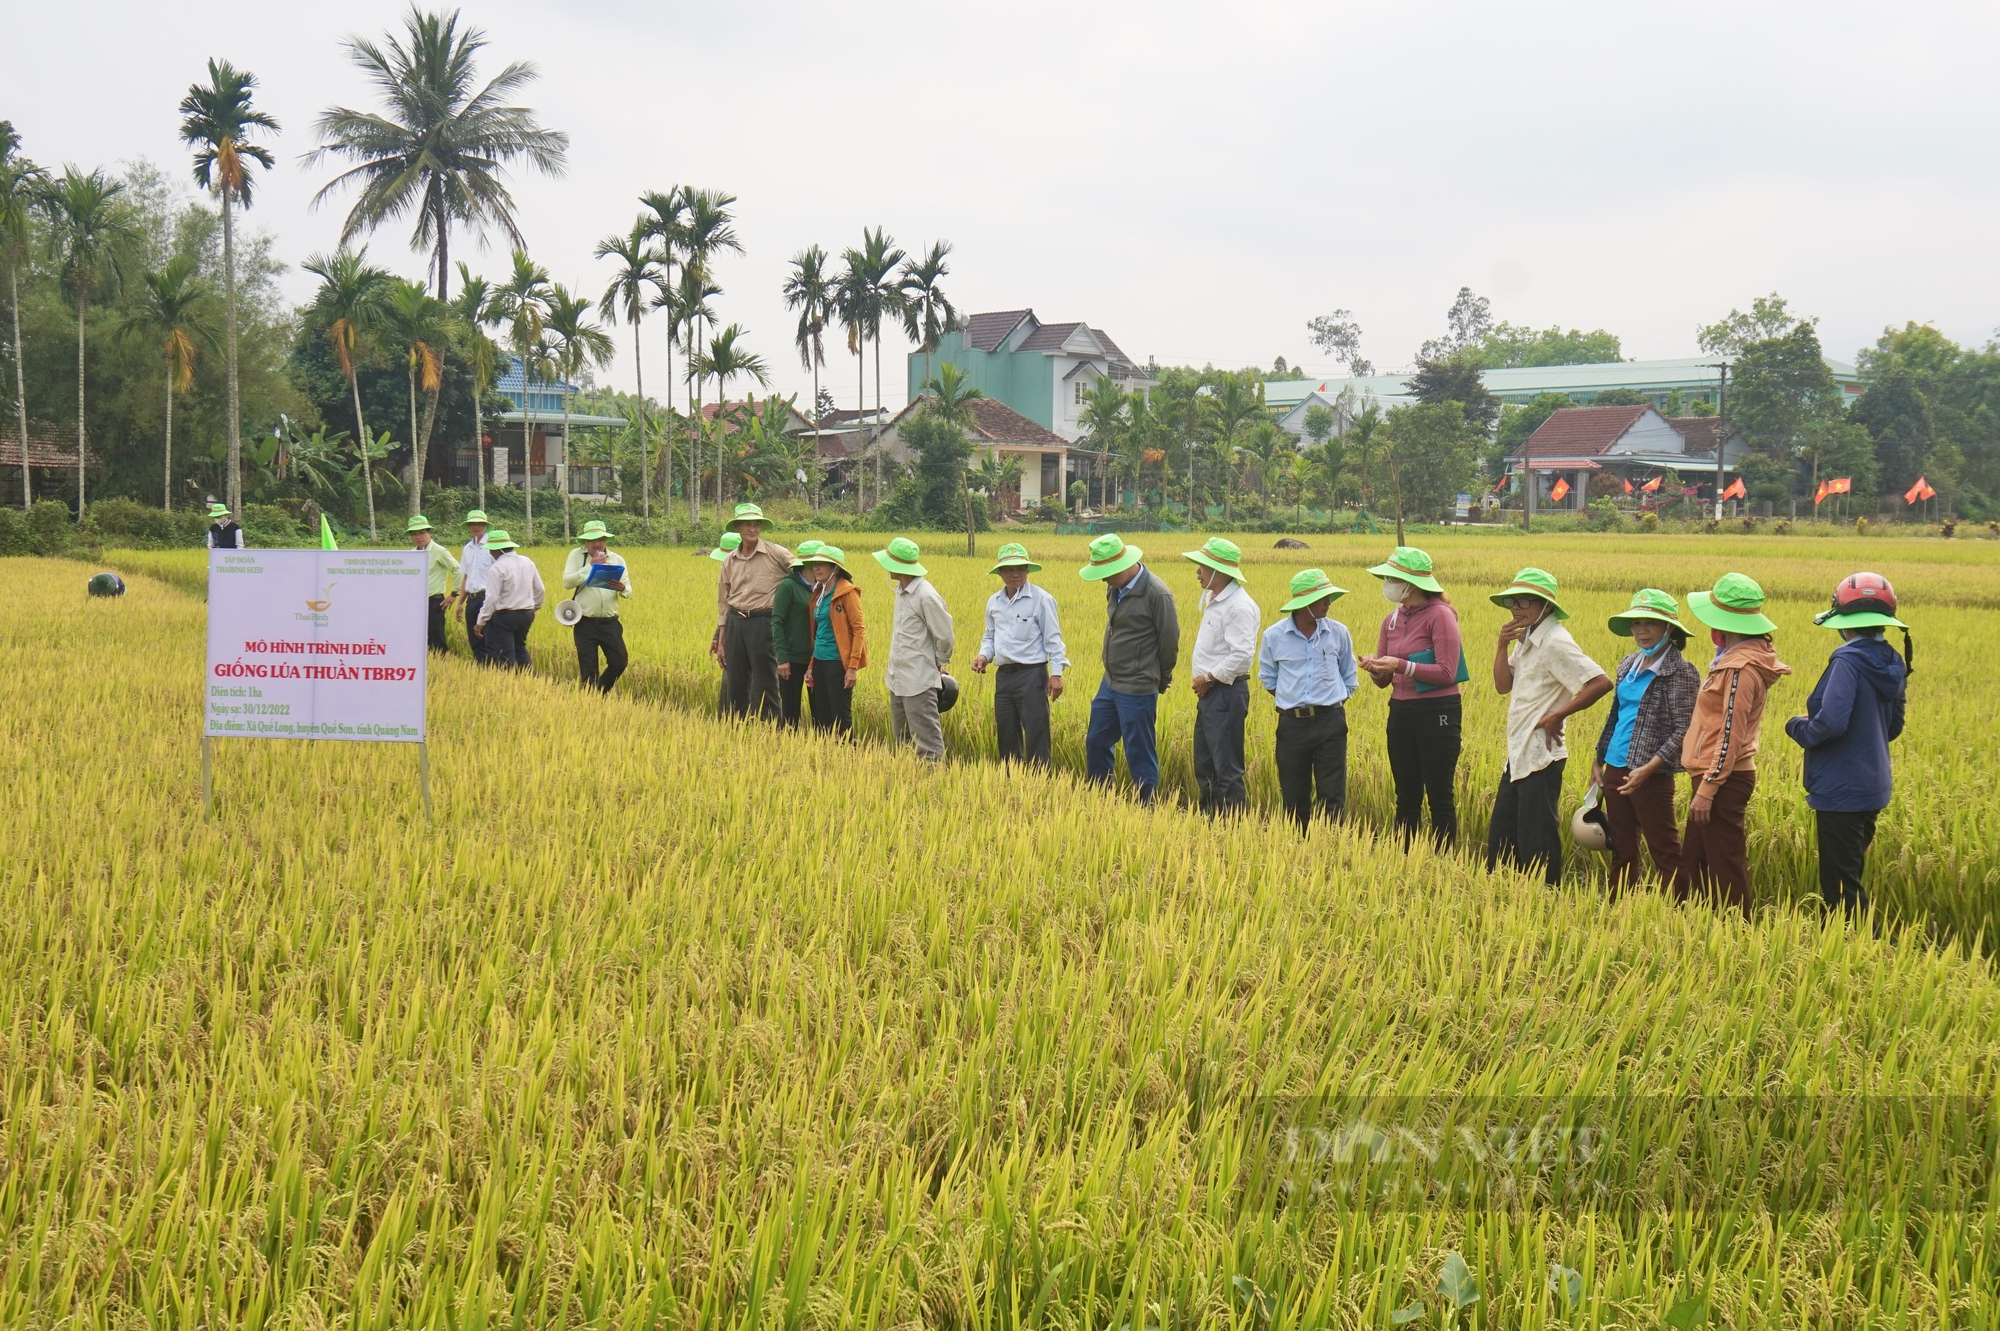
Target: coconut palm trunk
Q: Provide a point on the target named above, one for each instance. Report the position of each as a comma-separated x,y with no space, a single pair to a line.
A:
528,452
416,457
479,442
167,478
645,440
234,408
367,465
562,468
79,410
20,384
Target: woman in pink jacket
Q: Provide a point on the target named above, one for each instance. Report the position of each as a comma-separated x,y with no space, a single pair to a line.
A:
1420,660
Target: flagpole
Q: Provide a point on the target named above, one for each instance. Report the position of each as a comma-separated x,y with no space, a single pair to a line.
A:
1721,430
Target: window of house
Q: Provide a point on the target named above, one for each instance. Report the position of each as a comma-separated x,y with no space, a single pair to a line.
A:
1079,392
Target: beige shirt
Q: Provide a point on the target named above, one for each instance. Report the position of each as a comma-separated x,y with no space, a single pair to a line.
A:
920,644
1549,670
749,581
513,583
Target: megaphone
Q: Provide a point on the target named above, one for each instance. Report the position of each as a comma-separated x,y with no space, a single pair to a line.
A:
1587,826
568,612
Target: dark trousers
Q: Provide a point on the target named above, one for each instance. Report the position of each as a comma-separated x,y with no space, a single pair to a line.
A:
832,700
1844,839
1218,747
436,624
473,600
507,638
1312,764
1715,859
1021,712
1525,828
1423,741
595,633
750,667
1123,718
791,693
1649,811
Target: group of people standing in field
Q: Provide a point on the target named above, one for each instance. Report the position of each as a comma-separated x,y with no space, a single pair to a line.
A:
1665,716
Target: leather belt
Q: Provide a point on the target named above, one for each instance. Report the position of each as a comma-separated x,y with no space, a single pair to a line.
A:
750,614
1306,713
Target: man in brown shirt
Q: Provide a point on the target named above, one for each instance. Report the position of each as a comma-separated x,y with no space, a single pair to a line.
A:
742,645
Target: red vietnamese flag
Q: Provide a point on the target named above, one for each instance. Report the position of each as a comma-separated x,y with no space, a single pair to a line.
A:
1735,490
1840,485
1558,490
1921,490
1930,491
1651,486
1627,484
1820,497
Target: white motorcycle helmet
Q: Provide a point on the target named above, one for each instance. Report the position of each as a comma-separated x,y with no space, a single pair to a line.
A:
1587,825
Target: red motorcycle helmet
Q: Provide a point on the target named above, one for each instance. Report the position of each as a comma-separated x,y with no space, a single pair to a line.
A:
1866,601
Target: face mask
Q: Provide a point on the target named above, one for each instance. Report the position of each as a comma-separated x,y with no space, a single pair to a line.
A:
1654,650
1395,591
1715,636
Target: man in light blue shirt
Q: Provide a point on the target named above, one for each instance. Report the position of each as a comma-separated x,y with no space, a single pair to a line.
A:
1023,639
1307,663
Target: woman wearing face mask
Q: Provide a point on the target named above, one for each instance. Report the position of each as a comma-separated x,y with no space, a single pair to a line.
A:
1640,749
1420,660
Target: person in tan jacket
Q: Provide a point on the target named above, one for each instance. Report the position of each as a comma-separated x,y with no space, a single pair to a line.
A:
1720,751
839,637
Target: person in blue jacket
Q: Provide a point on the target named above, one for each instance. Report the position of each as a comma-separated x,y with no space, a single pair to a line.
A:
1855,710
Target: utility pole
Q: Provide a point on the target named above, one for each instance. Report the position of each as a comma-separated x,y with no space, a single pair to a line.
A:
1721,431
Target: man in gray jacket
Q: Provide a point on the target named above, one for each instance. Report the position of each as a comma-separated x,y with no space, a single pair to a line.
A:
919,651
1142,640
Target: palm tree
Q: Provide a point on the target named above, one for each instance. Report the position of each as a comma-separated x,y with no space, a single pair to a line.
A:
216,121
424,327
690,307
522,303
879,257
667,225
575,341
89,233
482,358
349,302
810,291
175,317
723,361
638,269
951,397
927,314
710,229
438,145
21,182
851,303
1236,399
1104,423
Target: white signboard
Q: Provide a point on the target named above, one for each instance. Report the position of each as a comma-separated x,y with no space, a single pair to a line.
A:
316,644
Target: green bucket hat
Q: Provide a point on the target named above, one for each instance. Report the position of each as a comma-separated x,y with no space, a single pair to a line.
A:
1408,564
1736,605
901,557
804,548
497,539
1013,555
1220,555
475,515
746,513
1110,556
218,510
418,523
822,553
1651,603
1310,587
593,530
730,540
1532,582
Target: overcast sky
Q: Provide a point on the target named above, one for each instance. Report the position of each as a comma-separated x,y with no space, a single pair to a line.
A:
1196,179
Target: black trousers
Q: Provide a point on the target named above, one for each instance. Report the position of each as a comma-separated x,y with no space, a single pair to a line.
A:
473,600
1525,827
604,633
1844,839
507,638
1312,764
832,700
791,693
1423,741
1021,712
436,624
1218,747
750,667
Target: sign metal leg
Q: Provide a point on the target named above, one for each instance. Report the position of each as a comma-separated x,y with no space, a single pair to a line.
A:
424,774
207,783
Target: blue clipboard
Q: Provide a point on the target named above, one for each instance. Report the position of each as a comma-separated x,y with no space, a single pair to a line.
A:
1429,656
604,574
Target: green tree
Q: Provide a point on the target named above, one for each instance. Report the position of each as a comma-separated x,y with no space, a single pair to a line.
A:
688,307
1509,345
575,342
1901,419
90,234
726,359
666,223
1431,452
1830,447
927,313
21,182
472,305
438,145
216,121
1768,318
174,318
710,230
423,327
1456,378
1779,386
626,297
1519,423
809,289
1104,421
951,396
934,496
1237,400
521,303
348,306
878,298
1619,397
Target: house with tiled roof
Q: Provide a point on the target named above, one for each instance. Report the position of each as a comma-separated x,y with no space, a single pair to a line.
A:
526,444
996,427
1044,371
1632,443
51,448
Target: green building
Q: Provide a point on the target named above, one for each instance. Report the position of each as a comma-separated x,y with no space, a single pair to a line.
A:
1044,371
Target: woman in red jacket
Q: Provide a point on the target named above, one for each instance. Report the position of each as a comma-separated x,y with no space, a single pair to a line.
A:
1420,660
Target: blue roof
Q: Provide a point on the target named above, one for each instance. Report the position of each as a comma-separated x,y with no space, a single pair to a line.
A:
511,382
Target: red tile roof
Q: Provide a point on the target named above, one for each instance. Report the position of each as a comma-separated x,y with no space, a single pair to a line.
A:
49,445
994,422
1581,432
987,331
1050,337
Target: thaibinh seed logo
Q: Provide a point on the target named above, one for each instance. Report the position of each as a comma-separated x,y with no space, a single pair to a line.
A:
317,607
320,606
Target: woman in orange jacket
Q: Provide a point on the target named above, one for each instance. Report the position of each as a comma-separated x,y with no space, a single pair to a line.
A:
1720,751
840,639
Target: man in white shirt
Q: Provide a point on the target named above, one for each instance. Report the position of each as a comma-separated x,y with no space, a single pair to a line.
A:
474,562
1225,652
1548,679
919,651
1023,641
513,595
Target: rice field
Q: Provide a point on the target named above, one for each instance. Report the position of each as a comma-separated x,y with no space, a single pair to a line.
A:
662,1022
